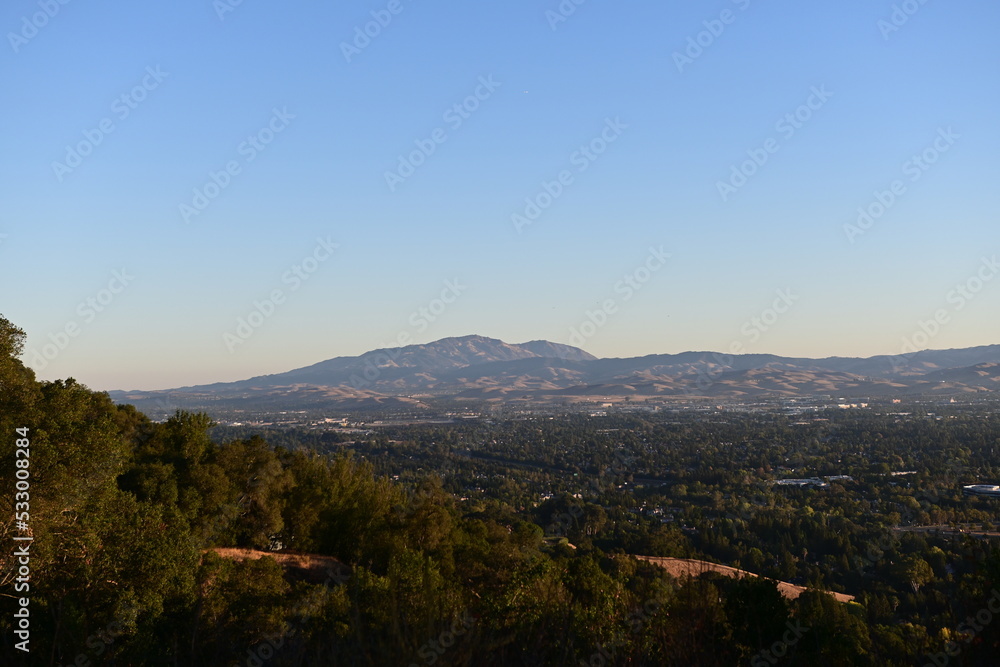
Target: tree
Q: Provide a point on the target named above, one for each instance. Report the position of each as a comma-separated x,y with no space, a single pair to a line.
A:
11,339
262,482
913,570
757,612
833,636
19,392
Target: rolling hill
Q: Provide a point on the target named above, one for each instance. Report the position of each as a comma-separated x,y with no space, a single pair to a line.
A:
480,369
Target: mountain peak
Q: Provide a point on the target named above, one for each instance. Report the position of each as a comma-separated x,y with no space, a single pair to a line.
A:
475,349
477,367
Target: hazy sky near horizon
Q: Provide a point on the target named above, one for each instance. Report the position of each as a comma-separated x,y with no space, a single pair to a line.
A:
207,191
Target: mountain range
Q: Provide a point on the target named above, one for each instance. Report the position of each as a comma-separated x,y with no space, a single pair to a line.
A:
477,370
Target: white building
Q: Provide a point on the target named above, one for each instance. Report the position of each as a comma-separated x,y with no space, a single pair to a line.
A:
981,490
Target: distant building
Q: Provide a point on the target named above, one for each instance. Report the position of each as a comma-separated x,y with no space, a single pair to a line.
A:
809,481
981,490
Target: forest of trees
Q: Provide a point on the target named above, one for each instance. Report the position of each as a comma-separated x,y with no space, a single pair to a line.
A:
490,543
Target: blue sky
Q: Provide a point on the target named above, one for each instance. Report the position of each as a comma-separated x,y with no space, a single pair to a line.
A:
206,88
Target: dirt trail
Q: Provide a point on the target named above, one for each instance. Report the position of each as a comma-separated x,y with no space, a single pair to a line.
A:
680,567
313,568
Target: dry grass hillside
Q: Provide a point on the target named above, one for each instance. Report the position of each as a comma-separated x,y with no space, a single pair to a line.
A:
310,567
684,567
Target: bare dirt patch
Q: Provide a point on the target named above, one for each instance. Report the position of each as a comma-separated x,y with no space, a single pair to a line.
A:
686,567
310,567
